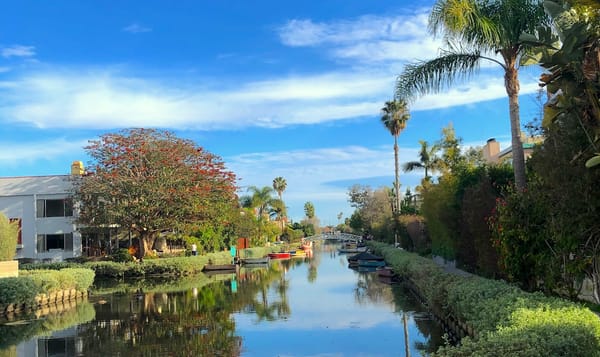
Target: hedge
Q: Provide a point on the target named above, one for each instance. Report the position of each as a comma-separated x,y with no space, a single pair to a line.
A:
24,289
507,321
176,266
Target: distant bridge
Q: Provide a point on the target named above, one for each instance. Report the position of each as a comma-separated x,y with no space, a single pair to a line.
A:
335,237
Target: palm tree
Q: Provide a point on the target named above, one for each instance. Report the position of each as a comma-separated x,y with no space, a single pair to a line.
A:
483,28
279,185
427,160
261,200
394,117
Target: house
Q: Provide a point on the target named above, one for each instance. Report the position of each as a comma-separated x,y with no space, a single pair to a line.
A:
492,153
44,209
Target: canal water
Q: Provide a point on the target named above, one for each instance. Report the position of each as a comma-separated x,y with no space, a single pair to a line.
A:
313,306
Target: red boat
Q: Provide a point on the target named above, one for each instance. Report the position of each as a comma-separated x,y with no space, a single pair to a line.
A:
280,255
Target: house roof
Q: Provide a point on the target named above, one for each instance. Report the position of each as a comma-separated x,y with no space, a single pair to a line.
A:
29,185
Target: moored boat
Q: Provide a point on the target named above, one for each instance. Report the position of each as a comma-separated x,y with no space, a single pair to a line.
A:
280,255
262,260
364,256
219,267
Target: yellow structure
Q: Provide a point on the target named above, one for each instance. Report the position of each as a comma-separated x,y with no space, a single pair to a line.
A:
77,168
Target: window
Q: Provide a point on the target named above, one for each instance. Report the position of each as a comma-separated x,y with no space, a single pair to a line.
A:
54,208
45,242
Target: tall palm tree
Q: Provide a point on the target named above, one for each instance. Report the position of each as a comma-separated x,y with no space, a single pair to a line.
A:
261,200
427,160
279,185
394,117
483,28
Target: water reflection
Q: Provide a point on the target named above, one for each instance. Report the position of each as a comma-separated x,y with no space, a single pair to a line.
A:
296,307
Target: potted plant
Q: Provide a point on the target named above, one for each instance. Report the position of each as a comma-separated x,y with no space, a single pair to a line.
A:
8,246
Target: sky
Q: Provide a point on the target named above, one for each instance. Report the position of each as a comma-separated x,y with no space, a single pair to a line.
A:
275,88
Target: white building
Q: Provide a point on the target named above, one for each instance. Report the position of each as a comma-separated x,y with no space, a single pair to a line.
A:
44,209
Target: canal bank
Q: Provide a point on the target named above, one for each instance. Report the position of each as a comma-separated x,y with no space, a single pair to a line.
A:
496,318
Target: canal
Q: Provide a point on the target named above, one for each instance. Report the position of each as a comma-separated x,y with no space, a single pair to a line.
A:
313,306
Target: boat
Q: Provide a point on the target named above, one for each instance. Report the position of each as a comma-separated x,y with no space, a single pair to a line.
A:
249,261
219,267
370,263
364,256
352,250
280,255
298,253
385,272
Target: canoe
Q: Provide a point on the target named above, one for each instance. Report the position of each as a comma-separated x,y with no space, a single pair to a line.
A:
352,250
280,255
248,261
218,267
370,263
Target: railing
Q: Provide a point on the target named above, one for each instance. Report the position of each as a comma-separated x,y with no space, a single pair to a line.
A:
335,236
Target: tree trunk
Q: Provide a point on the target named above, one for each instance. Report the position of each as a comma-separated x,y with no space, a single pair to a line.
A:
146,241
397,175
511,82
406,343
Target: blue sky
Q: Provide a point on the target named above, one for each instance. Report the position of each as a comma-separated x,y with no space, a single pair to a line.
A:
275,88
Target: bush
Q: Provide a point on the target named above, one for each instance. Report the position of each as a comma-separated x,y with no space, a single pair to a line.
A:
51,281
21,290
8,238
507,321
122,256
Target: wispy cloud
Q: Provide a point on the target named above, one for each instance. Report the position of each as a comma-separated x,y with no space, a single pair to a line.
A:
104,100
367,38
100,100
18,51
314,175
13,153
136,28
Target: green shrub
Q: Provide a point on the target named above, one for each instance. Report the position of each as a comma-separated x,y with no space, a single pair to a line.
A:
122,256
21,290
51,281
8,238
507,320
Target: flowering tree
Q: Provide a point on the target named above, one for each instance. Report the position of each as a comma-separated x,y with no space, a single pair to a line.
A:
148,181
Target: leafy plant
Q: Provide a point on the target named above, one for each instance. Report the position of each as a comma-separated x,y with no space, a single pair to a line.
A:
8,238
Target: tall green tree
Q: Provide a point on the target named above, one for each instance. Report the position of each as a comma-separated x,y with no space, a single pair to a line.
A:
279,185
309,210
148,181
262,201
476,31
428,160
394,116
8,238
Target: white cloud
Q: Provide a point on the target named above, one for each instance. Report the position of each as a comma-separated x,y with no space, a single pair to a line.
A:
104,100
310,174
367,38
101,100
136,28
481,88
18,51
16,153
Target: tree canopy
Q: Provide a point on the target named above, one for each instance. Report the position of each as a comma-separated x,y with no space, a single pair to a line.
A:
147,181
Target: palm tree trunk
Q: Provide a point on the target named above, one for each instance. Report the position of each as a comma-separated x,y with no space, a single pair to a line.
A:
397,180
511,82
406,344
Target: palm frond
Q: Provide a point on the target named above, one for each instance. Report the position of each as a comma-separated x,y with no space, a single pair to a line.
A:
437,74
464,21
411,166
